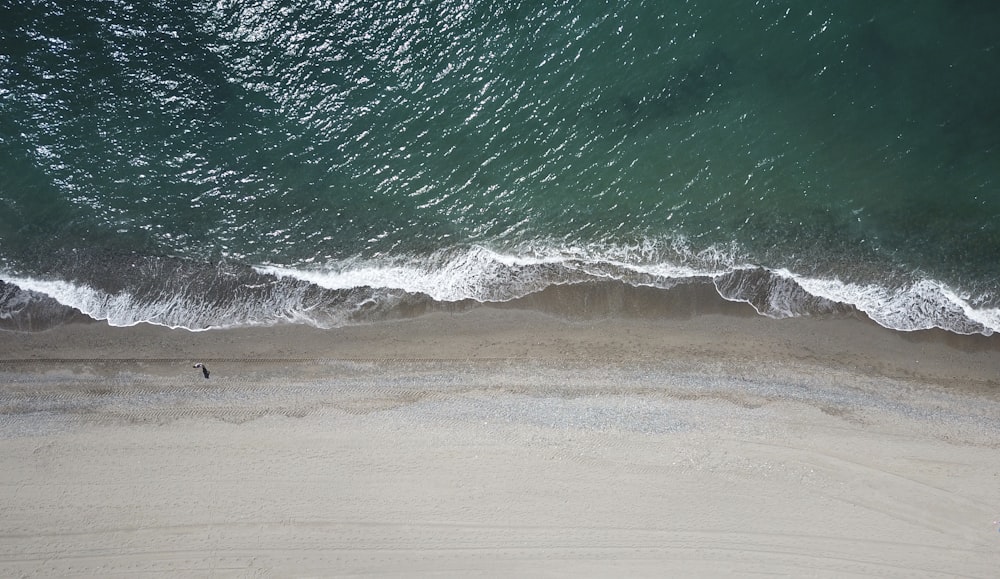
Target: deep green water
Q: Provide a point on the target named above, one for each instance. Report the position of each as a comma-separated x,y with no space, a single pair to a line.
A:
218,163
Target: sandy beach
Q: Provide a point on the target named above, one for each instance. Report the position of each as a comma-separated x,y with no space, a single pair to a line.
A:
508,441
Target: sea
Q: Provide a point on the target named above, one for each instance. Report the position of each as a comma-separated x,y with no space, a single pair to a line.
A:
228,163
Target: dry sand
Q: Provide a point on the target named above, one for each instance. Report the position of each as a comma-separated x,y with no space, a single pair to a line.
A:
501,442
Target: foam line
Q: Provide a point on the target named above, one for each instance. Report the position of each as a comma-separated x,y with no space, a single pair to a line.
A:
356,290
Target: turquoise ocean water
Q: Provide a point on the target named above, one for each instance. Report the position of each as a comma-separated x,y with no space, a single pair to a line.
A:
226,163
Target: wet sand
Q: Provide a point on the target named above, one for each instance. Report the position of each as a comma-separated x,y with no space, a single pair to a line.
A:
500,441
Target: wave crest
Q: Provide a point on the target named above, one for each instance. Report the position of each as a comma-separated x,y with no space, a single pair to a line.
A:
183,294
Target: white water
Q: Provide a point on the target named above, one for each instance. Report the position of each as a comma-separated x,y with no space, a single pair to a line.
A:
484,275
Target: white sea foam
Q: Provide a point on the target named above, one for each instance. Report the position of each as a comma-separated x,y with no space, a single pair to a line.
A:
316,296
173,310
922,305
477,274
121,309
484,275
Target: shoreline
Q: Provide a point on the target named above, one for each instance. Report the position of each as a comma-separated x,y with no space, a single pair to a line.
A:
606,323
292,300
502,440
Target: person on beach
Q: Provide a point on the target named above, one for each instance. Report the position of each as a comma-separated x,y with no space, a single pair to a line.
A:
204,369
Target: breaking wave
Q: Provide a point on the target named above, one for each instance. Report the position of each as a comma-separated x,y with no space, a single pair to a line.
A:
198,296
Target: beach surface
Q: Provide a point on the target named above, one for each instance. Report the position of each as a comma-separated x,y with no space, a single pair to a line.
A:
502,441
